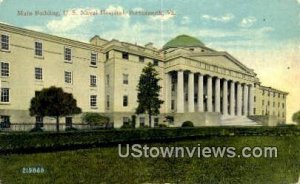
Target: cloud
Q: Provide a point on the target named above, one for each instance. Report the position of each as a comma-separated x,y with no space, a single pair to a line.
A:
247,22
117,9
298,1
185,20
162,17
225,18
70,21
35,28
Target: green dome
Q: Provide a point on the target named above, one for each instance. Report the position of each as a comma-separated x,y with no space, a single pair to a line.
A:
183,41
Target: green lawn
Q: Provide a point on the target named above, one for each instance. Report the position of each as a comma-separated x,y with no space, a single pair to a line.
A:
103,165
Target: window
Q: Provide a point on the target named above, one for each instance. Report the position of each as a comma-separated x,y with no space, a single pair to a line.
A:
37,93
38,73
268,93
155,62
125,55
39,121
68,77
93,59
4,42
69,121
263,92
5,121
93,100
268,103
125,78
278,95
107,79
283,105
172,104
283,114
4,94
263,102
142,121
273,104
107,56
38,49
278,104
125,121
93,80
254,111
274,94
254,98
107,102
4,69
125,101
141,59
156,120
68,54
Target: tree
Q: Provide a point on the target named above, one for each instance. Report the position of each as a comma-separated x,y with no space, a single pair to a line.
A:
148,92
296,117
53,102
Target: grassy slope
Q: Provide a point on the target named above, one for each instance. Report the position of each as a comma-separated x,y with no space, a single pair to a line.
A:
104,165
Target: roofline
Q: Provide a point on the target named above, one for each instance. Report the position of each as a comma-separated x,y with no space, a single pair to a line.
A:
273,89
46,36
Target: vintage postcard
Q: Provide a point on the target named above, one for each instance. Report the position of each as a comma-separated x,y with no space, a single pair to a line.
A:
160,91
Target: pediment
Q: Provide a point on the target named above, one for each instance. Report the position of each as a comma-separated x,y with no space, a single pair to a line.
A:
223,60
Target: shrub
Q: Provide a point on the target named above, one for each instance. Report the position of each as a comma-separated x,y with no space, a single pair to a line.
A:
126,126
71,129
95,119
162,126
187,124
36,129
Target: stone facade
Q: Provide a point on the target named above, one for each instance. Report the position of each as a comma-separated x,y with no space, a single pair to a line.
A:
197,82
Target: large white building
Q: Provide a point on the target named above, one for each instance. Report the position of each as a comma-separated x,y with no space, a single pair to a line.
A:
198,83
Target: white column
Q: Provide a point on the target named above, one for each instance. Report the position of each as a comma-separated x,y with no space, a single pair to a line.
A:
180,92
200,93
232,98
209,94
191,93
217,95
168,90
245,100
225,99
251,100
239,99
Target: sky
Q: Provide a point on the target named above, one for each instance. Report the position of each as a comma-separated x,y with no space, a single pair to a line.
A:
262,34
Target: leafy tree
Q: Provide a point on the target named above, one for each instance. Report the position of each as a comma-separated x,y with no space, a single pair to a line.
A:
296,117
53,102
148,92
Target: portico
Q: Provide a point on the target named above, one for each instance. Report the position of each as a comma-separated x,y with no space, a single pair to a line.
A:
199,92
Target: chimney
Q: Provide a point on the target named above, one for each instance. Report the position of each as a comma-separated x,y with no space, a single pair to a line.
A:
96,40
150,45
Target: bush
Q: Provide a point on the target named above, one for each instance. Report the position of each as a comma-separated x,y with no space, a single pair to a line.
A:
95,119
36,129
71,129
162,126
187,124
127,126
20,142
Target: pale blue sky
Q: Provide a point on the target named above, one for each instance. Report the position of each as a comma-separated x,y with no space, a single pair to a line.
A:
262,34
219,23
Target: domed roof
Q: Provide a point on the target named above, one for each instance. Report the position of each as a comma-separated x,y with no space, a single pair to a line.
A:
183,41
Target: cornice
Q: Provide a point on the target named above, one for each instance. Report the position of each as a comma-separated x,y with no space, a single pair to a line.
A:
47,37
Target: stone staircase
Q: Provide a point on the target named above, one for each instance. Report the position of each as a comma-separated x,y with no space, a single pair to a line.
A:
237,121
